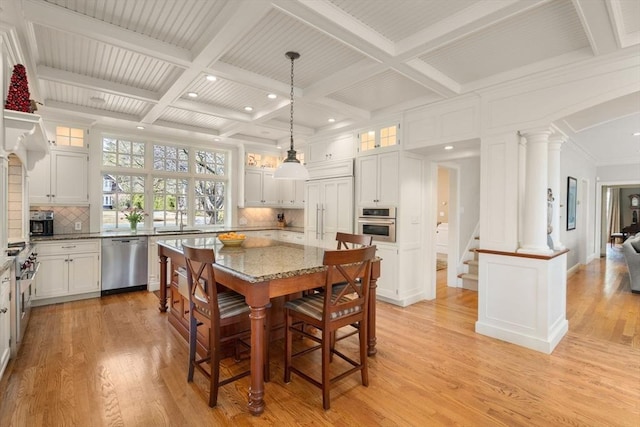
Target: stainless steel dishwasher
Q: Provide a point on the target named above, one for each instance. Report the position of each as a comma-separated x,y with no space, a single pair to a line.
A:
124,264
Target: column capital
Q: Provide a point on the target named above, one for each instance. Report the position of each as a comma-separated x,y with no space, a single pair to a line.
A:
557,139
538,134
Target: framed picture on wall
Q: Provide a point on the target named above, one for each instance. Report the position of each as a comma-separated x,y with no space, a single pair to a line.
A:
572,196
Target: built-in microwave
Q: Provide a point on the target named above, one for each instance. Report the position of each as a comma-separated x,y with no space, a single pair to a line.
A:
41,223
379,222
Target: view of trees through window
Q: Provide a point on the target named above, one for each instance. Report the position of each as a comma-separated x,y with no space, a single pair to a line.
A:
187,184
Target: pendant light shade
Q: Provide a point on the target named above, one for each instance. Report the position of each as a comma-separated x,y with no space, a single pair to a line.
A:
291,168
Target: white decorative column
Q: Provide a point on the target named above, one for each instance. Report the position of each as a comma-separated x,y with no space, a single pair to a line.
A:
534,227
555,143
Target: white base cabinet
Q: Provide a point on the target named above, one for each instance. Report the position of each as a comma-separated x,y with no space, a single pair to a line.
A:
5,320
388,281
67,268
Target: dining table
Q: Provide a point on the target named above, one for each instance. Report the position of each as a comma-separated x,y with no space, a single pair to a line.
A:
261,269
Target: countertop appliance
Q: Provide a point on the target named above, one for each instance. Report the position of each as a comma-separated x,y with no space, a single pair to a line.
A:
26,268
379,222
41,223
124,264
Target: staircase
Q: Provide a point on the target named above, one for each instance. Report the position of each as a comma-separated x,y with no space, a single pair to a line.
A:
470,278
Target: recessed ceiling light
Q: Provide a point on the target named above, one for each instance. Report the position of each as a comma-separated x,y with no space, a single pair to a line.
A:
140,127
448,147
97,100
636,134
248,108
272,96
279,147
192,95
331,120
211,78
216,139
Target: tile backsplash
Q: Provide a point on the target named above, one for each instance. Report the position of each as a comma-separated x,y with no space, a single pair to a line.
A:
14,199
267,217
65,218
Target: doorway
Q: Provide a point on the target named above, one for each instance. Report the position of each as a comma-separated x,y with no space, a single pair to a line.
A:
446,214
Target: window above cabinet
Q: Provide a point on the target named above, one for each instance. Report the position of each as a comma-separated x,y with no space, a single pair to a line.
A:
378,137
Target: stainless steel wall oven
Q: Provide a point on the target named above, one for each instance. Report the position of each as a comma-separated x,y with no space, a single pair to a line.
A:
379,222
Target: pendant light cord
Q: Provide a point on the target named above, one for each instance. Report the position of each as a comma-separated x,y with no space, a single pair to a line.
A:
291,116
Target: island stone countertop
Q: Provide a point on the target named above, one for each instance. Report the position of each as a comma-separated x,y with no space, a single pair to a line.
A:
258,259
160,233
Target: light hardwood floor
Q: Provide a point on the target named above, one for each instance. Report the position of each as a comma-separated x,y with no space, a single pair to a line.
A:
113,362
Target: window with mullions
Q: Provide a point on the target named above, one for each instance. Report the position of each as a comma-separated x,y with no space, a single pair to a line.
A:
209,202
120,192
211,162
170,159
169,199
122,153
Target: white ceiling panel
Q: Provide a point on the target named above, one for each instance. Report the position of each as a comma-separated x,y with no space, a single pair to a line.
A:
360,59
94,59
404,19
548,31
230,95
192,118
630,15
180,23
382,91
262,51
83,98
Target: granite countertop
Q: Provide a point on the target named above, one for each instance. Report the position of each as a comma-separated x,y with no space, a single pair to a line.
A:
167,233
258,259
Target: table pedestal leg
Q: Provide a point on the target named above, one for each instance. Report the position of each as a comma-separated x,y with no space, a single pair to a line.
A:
256,391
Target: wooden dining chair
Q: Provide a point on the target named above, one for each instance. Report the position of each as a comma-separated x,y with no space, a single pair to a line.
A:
327,312
352,241
214,310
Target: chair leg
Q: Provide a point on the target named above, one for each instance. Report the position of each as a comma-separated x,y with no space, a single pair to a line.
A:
364,361
287,346
326,358
193,334
214,346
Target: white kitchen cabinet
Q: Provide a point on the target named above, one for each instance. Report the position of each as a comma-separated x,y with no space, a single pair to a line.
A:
291,237
388,281
60,179
260,189
67,268
377,179
291,194
335,148
328,210
5,320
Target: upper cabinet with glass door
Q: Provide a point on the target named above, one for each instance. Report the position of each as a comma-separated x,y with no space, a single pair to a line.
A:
261,160
377,138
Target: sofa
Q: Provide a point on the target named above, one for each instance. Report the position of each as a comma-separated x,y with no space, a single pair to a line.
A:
631,251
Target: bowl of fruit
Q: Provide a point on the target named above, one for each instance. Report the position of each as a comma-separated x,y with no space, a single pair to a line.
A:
231,238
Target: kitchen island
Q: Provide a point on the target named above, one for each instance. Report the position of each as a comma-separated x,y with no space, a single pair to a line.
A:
261,269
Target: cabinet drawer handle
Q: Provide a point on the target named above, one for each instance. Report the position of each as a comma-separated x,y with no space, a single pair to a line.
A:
69,247
3,310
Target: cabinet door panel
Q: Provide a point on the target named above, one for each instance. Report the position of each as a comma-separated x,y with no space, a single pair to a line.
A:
69,178
253,188
387,283
5,322
367,180
269,189
83,273
388,180
52,279
40,182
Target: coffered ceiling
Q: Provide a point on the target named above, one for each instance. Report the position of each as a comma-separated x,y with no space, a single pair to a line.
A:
129,63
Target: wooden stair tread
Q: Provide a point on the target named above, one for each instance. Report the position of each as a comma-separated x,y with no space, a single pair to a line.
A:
471,262
468,276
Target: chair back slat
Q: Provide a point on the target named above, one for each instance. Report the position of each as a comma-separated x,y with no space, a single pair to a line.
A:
347,266
203,295
352,241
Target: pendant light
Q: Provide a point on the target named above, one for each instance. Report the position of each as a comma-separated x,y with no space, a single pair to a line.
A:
291,168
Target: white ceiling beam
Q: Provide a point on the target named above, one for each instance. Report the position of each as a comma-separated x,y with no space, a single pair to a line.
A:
59,18
346,109
599,30
617,22
344,78
238,75
189,128
73,79
211,110
95,113
237,21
